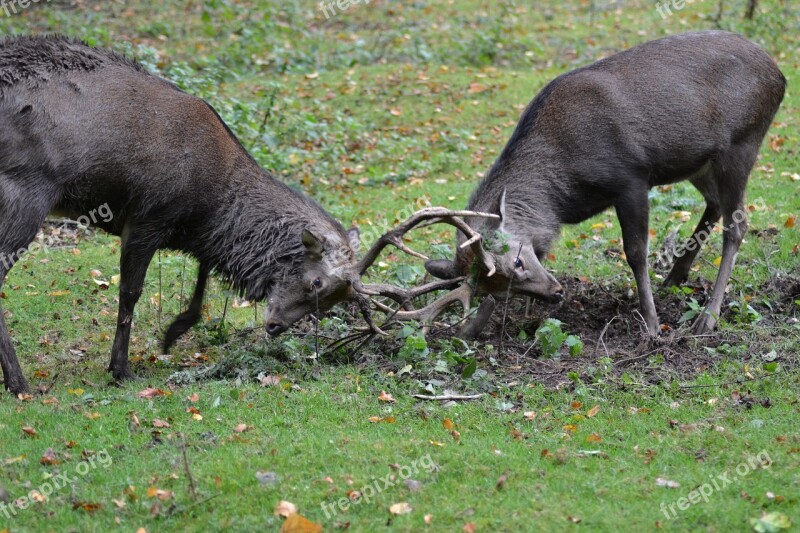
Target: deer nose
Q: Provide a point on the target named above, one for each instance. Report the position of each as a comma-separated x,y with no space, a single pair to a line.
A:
275,328
558,292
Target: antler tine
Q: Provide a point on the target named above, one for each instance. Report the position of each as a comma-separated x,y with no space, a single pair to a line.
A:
363,305
428,314
402,296
447,216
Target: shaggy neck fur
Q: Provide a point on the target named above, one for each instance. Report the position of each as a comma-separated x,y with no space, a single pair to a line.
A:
531,196
256,240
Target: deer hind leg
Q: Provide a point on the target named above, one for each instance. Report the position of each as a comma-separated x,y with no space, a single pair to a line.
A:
731,172
21,215
684,256
188,318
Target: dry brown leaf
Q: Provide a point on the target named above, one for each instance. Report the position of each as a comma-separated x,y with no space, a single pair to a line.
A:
594,437
151,392
386,397
89,507
593,411
49,457
160,423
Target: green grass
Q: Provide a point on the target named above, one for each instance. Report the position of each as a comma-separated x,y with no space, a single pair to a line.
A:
376,112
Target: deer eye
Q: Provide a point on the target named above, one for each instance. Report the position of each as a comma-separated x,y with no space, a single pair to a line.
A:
518,263
317,283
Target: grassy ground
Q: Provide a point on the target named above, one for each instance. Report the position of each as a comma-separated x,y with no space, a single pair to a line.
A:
379,110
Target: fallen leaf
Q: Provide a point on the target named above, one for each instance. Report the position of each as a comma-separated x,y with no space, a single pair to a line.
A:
49,457
662,482
270,381
771,522
385,397
296,523
285,509
448,424
87,506
593,411
150,393
241,428
160,423
400,508
594,437
30,431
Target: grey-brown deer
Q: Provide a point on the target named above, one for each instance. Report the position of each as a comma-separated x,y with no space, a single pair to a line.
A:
691,107
82,128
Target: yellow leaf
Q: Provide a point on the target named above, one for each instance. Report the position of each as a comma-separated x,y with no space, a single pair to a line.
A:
593,411
58,293
717,261
296,523
436,443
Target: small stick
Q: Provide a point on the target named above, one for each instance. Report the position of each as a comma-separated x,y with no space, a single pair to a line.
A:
602,333
448,397
192,488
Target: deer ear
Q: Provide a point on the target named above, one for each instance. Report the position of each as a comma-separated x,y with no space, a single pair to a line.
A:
499,208
313,245
441,268
354,236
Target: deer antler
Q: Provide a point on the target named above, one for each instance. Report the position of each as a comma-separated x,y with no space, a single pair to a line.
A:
402,296
426,315
431,215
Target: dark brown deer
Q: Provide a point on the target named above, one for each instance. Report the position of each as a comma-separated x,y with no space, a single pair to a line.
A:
688,107
82,128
